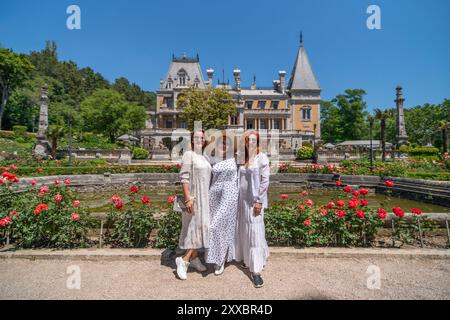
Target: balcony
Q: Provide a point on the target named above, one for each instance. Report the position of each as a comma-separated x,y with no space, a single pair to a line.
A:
268,112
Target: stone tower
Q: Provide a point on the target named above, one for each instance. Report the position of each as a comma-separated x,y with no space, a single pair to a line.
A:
401,137
42,148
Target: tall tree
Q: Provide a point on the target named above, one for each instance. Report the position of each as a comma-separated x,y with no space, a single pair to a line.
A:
382,116
212,107
444,126
14,70
105,112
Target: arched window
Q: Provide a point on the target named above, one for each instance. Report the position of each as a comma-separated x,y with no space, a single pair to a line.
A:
182,77
306,113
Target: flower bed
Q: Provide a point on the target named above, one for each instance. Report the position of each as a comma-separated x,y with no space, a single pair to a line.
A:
52,217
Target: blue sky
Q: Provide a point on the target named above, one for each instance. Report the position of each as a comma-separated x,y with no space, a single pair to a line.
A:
136,39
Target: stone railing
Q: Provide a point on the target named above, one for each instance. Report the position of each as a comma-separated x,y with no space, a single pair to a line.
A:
121,156
341,155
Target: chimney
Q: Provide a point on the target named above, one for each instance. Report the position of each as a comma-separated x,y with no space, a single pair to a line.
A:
210,73
237,78
253,87
282,76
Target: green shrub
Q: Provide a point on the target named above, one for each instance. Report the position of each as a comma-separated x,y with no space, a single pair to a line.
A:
169,228
307,144
424,151
132,225
305,153
54,227
440,176
140,154
404,149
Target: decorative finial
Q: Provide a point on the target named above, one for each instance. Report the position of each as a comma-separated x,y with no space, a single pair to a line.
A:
301,39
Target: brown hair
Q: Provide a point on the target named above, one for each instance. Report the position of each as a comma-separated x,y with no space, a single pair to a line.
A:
247,142
192,139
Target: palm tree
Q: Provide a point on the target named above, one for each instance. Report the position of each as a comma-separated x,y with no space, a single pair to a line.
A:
55,133
444,126
382,116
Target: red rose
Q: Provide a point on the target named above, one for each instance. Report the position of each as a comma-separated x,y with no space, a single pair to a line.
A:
324,212
352,204
76,203
304,193
330,205
12,214
347,189
338,183
340,213
56,182
355,193
58,198
284,196
67,182
340,203
301,207
399,212
37,212
39,169
145,200
389,183
416,211
307,223
172,199
1,181
75,216
5,221
381,210
360,214
33,183
382,215
115,199
43,189
363,191
134,189
364,202
119,205
309,203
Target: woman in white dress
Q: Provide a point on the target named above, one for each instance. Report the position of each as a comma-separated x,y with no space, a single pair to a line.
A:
195,175
251,245
223,200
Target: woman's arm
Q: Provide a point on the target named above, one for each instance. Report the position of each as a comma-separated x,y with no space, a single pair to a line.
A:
186,177
264,171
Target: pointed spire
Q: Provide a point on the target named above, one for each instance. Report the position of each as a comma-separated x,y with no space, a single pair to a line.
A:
302,77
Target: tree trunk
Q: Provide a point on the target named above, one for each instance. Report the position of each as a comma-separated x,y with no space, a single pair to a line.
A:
383,140
3,103
54,145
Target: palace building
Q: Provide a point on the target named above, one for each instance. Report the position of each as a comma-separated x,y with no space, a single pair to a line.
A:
290,105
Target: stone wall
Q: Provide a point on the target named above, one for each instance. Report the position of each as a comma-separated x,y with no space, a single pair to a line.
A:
436,192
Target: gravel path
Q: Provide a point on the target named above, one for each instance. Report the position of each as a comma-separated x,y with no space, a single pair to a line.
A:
287,277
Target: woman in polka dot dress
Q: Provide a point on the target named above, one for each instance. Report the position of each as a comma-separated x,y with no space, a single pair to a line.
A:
223,200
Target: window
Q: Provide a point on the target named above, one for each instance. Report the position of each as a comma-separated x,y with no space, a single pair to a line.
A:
249,104
169,124
250,124
183,125
275,104
306,114
182,77
261,104
263,124
276,124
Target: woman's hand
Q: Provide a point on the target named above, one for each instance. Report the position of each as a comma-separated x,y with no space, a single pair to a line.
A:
257,209
190,206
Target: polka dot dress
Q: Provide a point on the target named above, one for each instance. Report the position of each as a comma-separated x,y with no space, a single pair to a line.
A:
223,201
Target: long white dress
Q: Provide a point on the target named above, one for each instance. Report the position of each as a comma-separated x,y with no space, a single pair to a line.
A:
223,201
195,228
250,241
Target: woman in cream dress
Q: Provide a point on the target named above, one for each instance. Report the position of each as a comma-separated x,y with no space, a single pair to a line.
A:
195,175
250,244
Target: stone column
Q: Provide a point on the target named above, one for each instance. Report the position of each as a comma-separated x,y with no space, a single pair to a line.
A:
43,114
402,137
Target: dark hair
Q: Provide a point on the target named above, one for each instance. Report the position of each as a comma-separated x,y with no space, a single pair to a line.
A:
192,139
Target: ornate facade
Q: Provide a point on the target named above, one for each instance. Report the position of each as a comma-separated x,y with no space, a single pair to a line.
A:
290,105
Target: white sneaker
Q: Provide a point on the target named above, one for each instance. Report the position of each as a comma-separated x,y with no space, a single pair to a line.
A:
198,265
219,269
182,267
